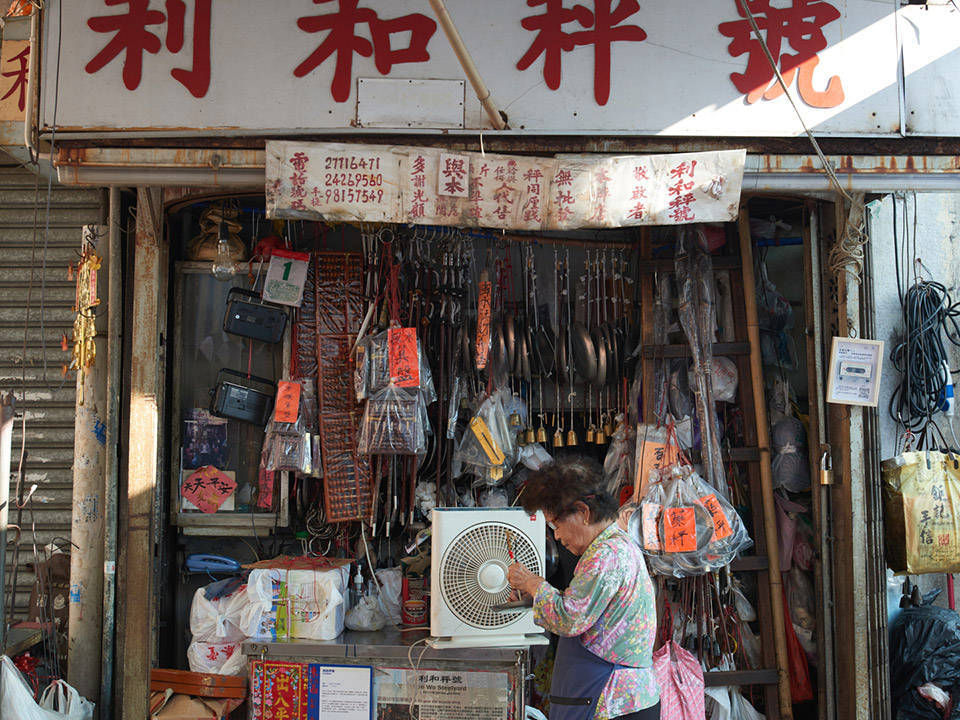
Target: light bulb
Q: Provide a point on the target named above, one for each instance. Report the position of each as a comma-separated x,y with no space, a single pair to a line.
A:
223,267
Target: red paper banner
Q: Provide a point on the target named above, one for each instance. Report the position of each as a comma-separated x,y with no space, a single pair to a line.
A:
208,488
404,363
288,402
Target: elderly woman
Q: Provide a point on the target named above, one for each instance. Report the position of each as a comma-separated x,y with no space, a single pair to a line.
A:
606,618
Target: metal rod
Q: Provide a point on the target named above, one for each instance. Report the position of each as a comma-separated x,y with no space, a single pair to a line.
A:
466,62
6,441
112,467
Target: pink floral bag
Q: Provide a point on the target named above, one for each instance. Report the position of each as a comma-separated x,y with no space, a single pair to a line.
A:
681,683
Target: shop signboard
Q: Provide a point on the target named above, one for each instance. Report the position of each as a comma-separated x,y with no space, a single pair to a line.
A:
681,68
428,186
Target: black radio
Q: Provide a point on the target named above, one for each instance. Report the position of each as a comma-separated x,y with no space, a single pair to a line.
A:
250,316
243,397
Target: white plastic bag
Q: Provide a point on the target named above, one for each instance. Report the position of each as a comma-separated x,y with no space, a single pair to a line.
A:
217,620
64,701
391,582
263,615
216,658
365,616
16,697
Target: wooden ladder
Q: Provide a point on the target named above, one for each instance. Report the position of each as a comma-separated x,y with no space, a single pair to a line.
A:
754,455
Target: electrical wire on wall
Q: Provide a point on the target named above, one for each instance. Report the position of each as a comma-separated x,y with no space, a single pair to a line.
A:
929,314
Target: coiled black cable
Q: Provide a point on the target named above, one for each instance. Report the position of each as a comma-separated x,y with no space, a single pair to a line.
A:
929,315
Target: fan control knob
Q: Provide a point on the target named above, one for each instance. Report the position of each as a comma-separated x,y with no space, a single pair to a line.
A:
493,576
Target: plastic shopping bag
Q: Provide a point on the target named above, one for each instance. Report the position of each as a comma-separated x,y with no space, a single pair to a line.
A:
217,621
16,697
64,701
921,491
681,683
216,658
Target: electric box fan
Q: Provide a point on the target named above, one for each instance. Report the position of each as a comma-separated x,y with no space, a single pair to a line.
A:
472,549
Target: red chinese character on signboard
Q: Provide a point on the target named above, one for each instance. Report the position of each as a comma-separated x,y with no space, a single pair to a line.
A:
602,29
132,37
454,173
681,199
19,78
801,27
602,193
342,40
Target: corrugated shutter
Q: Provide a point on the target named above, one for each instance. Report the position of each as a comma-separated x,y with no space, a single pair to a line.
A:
49,401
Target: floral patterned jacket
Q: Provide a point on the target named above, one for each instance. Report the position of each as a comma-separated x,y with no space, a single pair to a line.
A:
610,604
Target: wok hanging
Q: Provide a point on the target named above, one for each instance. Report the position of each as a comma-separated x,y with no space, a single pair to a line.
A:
584,352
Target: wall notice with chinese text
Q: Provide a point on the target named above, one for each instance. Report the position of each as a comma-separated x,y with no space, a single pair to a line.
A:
380,183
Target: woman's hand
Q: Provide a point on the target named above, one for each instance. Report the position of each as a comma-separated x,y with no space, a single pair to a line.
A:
520,578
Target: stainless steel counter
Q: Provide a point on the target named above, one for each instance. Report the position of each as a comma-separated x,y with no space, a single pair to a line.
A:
389,642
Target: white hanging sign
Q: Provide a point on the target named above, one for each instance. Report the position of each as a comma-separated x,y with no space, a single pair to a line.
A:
427,186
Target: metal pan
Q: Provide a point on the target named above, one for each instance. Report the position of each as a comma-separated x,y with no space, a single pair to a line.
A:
584,352
563,370
510,338
599,378
544,352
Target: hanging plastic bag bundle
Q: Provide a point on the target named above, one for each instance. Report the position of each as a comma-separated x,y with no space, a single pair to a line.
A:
399,386
488,448
392,423
618,466
688,528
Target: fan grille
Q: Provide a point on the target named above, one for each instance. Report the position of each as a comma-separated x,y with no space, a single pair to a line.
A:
483,548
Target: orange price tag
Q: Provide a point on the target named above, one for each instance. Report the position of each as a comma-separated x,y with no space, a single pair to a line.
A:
679,529
483,323
721,527
288,402
404,364
648,524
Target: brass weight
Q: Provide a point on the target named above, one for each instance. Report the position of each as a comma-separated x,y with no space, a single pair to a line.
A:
591,434
558,439
572,440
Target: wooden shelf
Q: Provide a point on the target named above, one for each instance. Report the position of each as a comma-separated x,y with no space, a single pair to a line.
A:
667,264
741,677
683,350
750,563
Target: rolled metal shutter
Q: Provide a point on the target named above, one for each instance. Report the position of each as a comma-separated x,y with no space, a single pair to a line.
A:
49,396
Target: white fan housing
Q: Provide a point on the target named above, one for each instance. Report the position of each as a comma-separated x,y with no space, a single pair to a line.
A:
470,556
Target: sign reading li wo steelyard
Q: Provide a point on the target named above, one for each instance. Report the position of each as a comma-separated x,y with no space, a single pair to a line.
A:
686,67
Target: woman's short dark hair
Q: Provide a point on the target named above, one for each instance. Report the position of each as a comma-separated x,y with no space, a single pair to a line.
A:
556,487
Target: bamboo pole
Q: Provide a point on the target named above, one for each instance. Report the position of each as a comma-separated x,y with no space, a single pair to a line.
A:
466,62
766,474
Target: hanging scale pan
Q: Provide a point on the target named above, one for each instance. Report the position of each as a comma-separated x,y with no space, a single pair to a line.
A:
584,352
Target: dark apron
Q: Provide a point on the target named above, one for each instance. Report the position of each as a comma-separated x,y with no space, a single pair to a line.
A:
579,677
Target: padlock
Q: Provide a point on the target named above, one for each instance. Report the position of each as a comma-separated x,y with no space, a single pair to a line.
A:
826,468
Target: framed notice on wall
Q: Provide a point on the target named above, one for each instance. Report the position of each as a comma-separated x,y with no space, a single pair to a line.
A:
855,367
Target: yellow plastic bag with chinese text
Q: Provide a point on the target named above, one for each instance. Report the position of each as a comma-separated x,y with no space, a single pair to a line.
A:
921,504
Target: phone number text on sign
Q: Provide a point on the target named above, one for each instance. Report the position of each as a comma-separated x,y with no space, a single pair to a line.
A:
342,183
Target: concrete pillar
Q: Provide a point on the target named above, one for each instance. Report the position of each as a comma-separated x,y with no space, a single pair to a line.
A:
89,458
